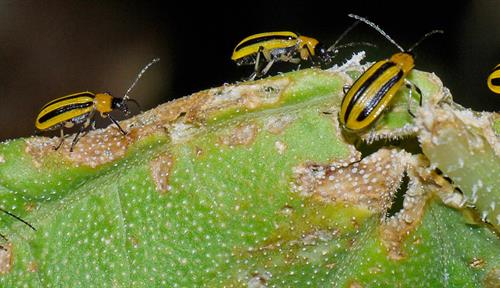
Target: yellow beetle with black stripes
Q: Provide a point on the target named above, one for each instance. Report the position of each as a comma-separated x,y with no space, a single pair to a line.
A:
374,90
274,46
494,80
80,109
283,46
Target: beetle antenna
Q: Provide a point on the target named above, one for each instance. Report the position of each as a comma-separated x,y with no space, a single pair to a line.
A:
125,97
17,217
425,37
342,36
134,101
374,26
352,44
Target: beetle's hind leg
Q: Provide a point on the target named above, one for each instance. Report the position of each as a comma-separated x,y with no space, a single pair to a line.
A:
268,66
258,72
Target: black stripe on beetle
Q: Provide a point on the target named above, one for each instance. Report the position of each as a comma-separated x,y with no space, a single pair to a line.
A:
88,94
378,96
64,109
365,86
262,39
495,81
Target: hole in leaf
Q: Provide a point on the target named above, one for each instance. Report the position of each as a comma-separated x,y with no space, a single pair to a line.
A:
397,203
409,144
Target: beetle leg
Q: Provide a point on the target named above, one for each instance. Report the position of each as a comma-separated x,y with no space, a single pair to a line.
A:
408,84
419,93
75,140
92,124
117,125
89,121
288,57
61,141
270,59
267,55
256,69
410,87
409,99
252,76
268,66
257,61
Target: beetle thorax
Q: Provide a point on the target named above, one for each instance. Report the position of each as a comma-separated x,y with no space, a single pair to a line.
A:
307,46
103,102
404,60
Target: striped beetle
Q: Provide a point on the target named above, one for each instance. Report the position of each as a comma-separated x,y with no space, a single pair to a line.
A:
80,109
373,91
284,46
494,80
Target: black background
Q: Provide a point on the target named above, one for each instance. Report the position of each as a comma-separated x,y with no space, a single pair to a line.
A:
52,48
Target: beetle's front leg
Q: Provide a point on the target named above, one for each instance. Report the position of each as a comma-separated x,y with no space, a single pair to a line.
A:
410,87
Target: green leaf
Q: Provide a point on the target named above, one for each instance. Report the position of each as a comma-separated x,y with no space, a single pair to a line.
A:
251,185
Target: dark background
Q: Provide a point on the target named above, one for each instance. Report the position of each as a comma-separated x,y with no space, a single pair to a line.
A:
52,48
